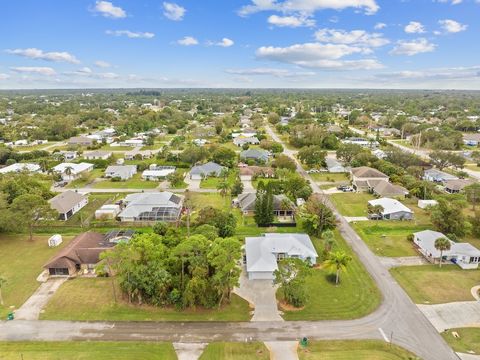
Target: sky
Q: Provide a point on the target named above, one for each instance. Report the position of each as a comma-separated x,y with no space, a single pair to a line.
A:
417,44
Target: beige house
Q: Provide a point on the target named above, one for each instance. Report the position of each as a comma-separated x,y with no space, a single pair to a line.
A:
365,178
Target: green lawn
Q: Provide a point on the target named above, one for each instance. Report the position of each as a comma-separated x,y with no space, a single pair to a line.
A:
136,182
95,201
354,297
429,284
86,179
388,238
327,177
201,200
212,182
90,299
86,350
469,339
264,180
22,261
353,350
235,351
351,204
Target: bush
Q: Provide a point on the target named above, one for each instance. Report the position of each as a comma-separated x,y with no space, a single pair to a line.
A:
160,228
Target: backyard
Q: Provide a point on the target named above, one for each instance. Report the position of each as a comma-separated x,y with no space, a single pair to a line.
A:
351,204
22,262
89,299
354,297
87,350
430,284
95,201
136,182
236,351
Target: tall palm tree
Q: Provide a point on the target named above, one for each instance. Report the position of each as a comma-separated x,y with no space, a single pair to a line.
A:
43,165
442,244
68,170
337,261
223,187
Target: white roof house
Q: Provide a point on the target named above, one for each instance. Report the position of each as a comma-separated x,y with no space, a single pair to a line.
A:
464,255
392,209
262,253
123,172
438,176
158,173
19,167
334,166
152,206
75,169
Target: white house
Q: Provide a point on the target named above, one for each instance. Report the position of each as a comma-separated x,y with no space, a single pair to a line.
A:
19,167
152,206
438,176
71,171
464,255
392,209
123,172
68,203
366,143
109,211
158,173
97,155
334,166
263,253
424,204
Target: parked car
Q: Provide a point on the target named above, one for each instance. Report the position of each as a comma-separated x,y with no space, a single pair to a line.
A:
348,189
313,171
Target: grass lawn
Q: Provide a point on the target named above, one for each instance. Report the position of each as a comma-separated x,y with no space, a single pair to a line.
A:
136,182
235,351
85,179
473,167
83,350
212,182
351,204
201,200
91,299
353,350
429,284
388,238
469,339
327,177
95,201
354,297
264,180
22,262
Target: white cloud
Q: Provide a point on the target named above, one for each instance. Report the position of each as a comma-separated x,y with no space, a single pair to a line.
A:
414,27
102,64
453,2
290,21
42,70
434,74
225,42
37,54
88,73
188,41
107,9
4,76
316,55
280,73
307,6
354,37
380,26
131,34
452,26
413,47
173,11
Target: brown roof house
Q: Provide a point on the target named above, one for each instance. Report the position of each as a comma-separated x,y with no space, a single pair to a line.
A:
456,186
83,252
68,203
282,205
81,141
365,178
248,172
386,189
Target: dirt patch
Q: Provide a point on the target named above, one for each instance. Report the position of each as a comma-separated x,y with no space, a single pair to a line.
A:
287,307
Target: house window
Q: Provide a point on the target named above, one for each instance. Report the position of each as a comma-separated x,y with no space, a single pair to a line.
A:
281,256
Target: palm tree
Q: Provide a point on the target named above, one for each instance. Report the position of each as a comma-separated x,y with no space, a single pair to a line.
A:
442,244
223,186
376,210
2,282
329,240
43,165
68,170
338,261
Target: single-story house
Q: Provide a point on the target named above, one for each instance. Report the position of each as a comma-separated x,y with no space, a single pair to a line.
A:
424,204
255,154
471,139
211,168
71,171
456,186
241,140
367,143
282,205
153,206
97,155
158,173
142,154
334,166
108,211
80,141
392,209
464,255
20,167
385,189
438,176
364,178
67,155
123,172
263,253
83,253
248,172
68,203
244,133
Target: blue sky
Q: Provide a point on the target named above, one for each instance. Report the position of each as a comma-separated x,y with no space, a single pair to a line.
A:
240,43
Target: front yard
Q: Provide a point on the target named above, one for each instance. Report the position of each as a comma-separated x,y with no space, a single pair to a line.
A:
22,261
237,351
81,350
331,177
354,297
352,204
469,340
430,284
353,350
136,182
91,299
87,214
85,179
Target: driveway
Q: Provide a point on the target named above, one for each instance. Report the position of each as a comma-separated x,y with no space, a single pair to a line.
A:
189,351
453,315
355,218
261,294
247,186
31,309
193,185
282,350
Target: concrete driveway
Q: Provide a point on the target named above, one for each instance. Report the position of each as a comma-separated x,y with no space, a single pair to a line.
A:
31,309
390,262
193,185
247,186
453,315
